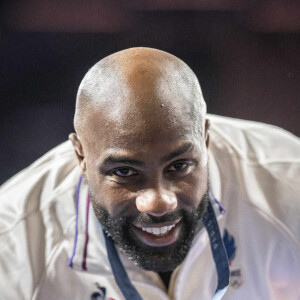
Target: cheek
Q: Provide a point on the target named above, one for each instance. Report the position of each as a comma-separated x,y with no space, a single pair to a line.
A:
119,202
106,193
192,189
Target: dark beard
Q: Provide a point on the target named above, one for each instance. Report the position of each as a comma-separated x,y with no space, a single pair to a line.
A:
158,259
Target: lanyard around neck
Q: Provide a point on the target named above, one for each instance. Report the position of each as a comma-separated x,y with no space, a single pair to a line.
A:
218,251
217,248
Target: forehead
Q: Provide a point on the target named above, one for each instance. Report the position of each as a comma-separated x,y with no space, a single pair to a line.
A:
131,125
138,134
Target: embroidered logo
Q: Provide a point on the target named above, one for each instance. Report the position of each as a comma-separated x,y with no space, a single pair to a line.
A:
100,294
236,279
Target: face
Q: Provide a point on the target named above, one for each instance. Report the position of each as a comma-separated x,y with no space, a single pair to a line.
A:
148,185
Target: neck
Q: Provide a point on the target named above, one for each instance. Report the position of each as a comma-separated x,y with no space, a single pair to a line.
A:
165,277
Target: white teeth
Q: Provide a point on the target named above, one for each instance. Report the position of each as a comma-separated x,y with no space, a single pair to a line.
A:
163,229
158,230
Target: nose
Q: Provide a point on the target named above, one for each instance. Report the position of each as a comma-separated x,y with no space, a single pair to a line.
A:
156,203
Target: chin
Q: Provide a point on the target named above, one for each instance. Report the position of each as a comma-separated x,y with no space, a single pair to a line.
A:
157,259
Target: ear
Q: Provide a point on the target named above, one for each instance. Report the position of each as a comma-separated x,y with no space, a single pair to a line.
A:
79,151
207,126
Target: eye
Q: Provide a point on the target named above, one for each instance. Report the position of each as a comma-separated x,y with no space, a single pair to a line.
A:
124,172
178,166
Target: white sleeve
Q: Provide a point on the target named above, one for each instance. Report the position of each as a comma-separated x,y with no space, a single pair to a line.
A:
21,251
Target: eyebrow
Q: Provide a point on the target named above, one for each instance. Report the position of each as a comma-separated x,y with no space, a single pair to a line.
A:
115,159
112,159
181,150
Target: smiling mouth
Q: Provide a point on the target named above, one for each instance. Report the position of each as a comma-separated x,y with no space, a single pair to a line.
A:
158,231
158,235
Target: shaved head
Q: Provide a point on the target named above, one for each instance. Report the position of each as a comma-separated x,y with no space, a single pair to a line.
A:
140,83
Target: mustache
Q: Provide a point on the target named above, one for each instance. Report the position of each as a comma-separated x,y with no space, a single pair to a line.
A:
142,218
149,219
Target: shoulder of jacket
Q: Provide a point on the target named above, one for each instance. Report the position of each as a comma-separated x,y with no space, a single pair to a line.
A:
262,164
36,186
253,142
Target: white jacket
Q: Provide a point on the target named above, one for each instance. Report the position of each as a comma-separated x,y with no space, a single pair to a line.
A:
254,173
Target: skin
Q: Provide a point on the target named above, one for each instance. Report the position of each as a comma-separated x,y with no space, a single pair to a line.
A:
141,138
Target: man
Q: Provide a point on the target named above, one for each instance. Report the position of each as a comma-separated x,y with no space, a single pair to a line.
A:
160,193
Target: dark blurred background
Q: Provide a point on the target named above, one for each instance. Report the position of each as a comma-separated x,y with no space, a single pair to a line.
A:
246,54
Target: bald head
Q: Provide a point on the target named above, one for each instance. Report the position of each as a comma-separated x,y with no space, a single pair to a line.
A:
140,83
